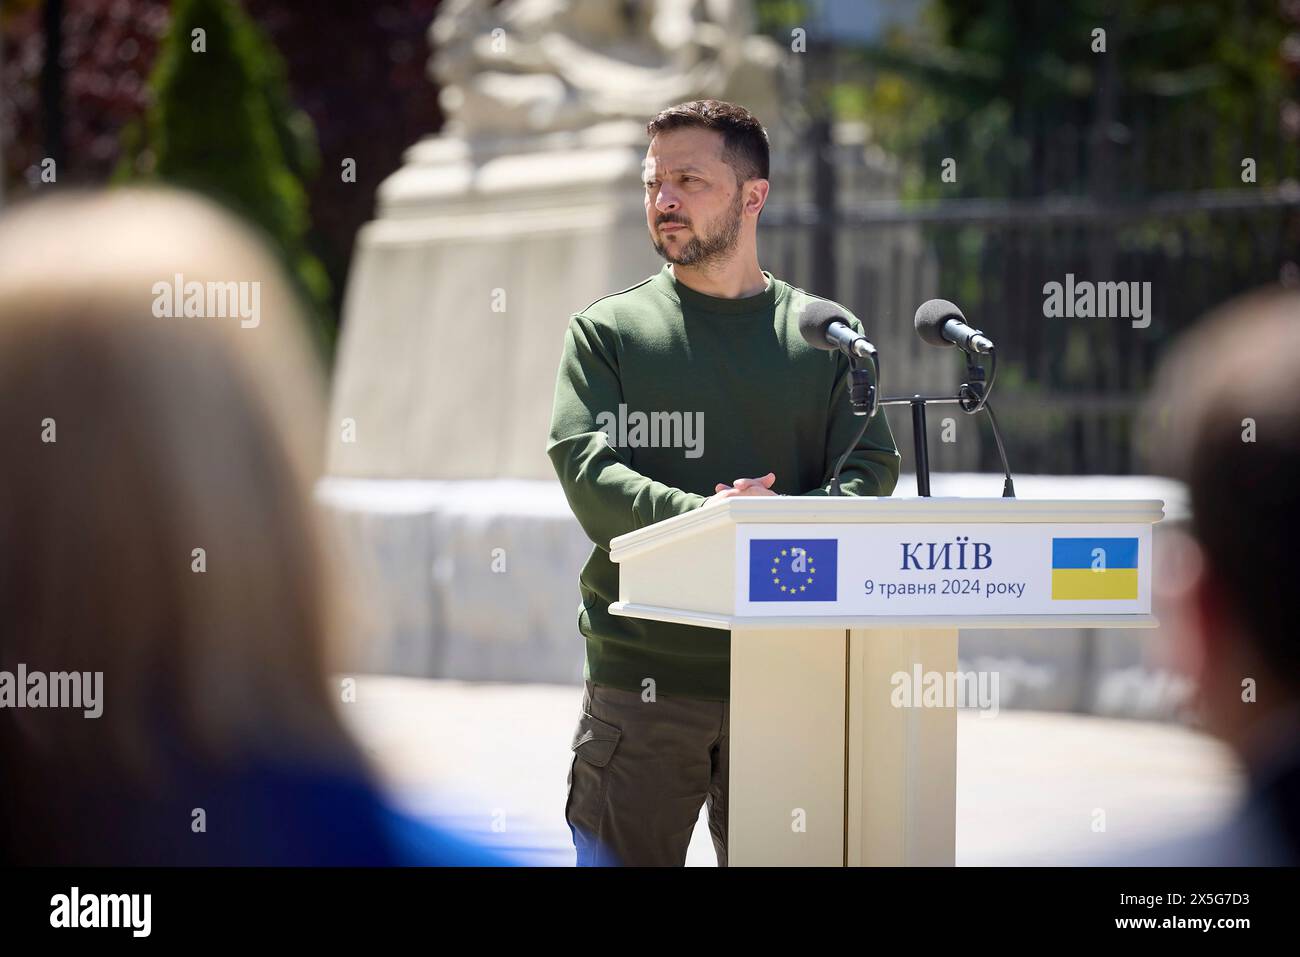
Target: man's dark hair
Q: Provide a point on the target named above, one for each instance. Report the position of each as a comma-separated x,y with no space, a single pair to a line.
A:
744,141
1225,418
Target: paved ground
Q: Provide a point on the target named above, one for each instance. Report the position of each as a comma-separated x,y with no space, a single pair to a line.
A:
1032,787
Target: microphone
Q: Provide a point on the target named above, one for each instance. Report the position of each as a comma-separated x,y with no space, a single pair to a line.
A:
823,326
940,323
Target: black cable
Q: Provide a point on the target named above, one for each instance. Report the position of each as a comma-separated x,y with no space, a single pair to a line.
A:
835,476
1008,486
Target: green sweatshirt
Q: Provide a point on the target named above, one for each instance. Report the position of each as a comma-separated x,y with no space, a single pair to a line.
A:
745,395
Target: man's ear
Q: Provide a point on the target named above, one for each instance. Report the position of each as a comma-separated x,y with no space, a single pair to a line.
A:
1212,643
755,195
1186,607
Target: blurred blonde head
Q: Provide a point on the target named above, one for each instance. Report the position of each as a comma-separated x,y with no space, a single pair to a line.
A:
169,435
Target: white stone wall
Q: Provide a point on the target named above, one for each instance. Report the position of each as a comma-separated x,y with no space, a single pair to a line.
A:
479,581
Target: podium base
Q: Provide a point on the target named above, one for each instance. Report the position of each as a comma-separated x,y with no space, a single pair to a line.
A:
832,763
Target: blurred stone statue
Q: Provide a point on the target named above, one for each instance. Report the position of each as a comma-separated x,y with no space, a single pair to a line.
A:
536,66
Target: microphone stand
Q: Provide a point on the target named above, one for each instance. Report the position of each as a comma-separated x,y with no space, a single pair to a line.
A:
863,398
972,397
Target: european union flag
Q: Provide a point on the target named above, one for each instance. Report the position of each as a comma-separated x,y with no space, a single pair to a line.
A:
782,569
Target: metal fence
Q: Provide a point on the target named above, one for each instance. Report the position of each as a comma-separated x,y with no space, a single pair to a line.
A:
1069,388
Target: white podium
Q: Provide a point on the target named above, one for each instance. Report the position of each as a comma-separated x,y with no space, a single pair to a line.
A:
840,609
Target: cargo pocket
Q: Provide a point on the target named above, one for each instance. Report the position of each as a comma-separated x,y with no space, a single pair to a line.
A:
595,740
594,743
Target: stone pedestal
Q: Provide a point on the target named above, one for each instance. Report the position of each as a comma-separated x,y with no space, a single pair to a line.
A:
460,293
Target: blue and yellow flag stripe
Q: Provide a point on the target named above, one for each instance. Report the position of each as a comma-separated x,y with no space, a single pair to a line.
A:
1096,569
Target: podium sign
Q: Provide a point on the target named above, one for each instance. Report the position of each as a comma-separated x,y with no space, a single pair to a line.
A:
975,569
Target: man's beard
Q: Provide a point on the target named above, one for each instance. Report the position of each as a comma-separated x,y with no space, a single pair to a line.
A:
708,250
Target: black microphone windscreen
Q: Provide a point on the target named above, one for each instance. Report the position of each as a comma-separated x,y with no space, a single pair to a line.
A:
930,319
816,318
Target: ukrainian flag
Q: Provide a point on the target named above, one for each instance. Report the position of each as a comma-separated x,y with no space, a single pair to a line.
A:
1094,568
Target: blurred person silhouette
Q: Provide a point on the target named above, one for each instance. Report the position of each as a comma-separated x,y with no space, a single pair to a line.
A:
1224,417
132,437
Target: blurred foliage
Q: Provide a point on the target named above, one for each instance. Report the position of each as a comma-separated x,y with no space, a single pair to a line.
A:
360,73
221,122
774,17
356,75
108,47
1013,90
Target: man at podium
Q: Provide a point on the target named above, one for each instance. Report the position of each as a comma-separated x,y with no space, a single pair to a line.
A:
692,386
